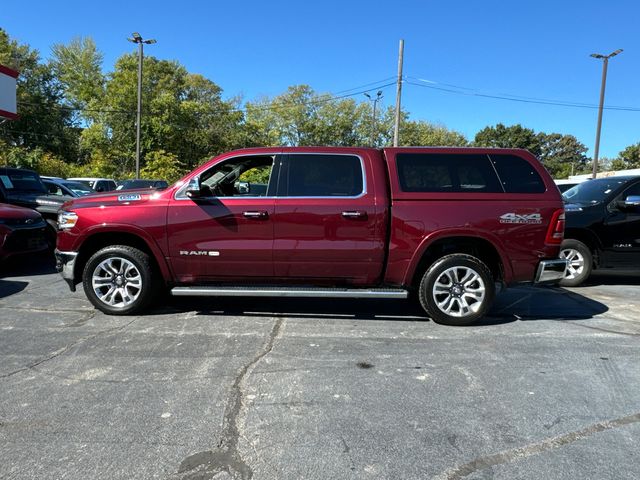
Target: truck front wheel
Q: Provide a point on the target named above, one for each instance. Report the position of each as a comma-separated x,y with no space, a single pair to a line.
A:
119,280
457,289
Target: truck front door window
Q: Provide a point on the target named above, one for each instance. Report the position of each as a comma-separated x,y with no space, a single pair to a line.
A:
238,177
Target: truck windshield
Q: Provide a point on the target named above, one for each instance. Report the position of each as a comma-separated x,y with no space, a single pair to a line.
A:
22,182
592,191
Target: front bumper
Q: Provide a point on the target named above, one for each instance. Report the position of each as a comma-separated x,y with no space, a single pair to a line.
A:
551,271
65,265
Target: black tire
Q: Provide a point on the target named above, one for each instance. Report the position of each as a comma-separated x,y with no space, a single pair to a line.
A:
457,301
580,262
124,276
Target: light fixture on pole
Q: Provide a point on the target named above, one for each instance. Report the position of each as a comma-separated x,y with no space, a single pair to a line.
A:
373,117
605,63
137,38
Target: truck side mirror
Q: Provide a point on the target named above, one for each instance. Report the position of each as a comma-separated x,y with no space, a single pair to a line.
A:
243,188
629,204
193,188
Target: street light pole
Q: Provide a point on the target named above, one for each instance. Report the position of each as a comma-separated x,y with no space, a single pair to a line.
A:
373,118
605,64
136,38
396,123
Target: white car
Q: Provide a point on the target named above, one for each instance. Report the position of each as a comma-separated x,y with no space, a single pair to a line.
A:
98,184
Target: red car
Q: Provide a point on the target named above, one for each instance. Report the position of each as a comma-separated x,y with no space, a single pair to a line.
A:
22,230
446,223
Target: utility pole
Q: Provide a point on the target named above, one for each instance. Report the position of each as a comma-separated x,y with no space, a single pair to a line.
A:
373,118
136,38
396,128
605,64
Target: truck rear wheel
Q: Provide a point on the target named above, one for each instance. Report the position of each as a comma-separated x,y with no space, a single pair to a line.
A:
457,289
579,262
119,280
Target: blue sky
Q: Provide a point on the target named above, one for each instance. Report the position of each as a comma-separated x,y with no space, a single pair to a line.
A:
522,48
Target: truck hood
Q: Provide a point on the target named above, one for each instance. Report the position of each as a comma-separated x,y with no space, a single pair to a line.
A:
577,206
112,199
13,212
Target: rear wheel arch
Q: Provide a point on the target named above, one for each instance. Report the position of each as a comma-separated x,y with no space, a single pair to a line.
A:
477,247
457,289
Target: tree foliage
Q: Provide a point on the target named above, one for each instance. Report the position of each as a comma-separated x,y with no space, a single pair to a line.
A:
627,158
427,134
77,118
161,165
78,68
42,124
515,136
561,154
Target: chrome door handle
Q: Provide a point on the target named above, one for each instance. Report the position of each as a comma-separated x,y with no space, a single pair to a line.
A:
357,214
260,214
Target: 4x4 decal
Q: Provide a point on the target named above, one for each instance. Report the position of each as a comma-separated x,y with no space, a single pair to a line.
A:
531,218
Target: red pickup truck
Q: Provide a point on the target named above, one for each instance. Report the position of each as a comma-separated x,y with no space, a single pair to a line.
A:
446,223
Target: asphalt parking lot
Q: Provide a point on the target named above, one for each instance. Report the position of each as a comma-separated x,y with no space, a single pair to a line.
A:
547,387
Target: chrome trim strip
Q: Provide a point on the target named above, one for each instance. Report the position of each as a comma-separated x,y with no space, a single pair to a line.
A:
360,195
288,292
550,271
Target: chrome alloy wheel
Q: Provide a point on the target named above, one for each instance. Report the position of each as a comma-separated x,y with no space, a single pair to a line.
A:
116,282
459,291
575,262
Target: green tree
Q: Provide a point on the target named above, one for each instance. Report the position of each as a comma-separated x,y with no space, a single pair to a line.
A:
44,123
78,68
416,133
183,115
627,158
161,165
515,136
302,117
562,155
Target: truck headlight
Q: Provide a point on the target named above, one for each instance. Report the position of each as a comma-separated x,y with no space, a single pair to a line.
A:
67,220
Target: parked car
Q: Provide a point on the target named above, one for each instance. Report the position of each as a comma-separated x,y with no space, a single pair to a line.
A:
139,184
447,223
563,187
25,188
22,230
66,187
602,227
97,184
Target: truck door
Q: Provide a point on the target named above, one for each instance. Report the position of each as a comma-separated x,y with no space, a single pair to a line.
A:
327,227
621,232
226,233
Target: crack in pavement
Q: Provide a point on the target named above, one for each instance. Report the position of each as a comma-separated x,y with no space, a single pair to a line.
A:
66,348
507,456
225,457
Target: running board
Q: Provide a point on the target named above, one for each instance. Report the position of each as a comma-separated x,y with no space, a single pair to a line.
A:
288,292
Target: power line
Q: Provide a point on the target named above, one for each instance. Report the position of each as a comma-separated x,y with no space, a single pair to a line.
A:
513,98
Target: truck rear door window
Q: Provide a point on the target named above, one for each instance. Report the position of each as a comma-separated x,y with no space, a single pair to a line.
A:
323,175
426,172
517,175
